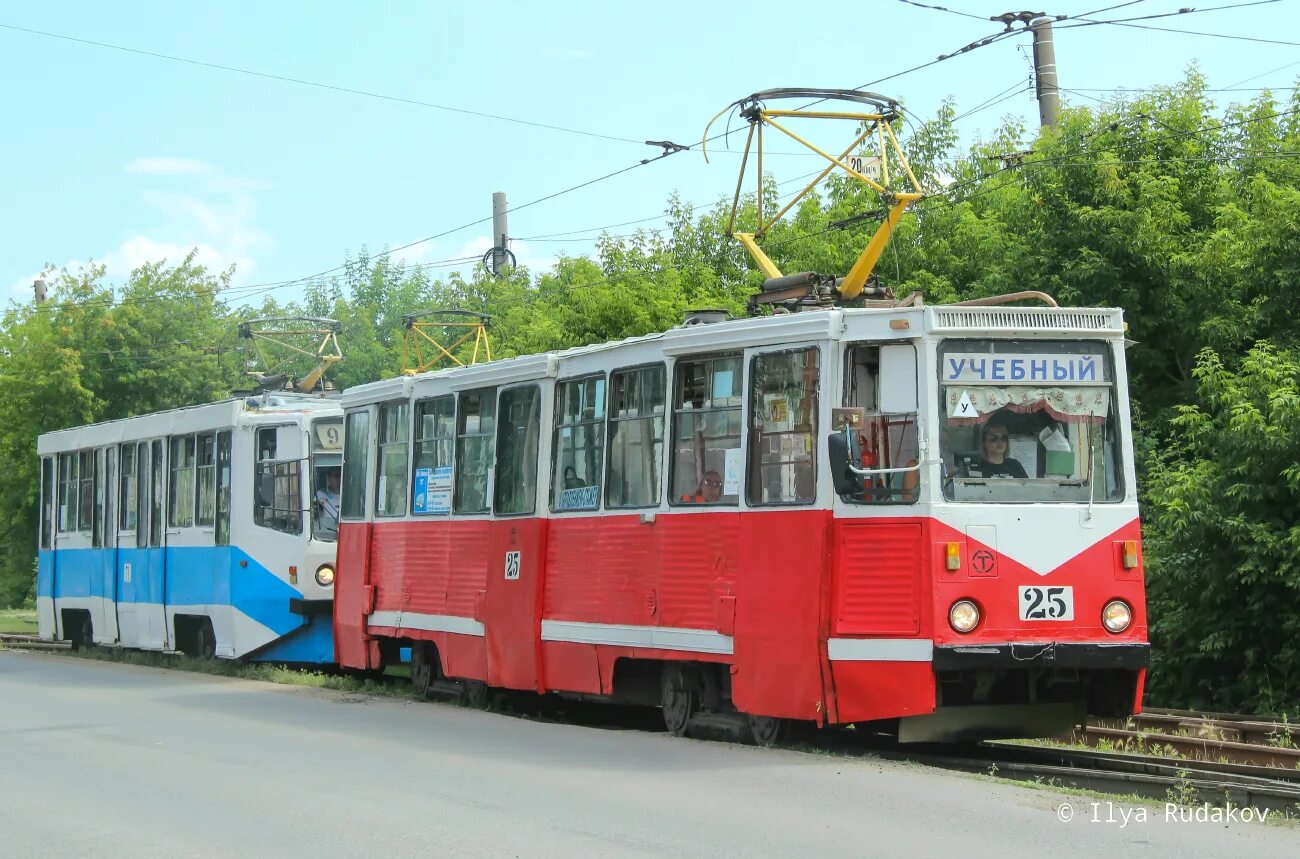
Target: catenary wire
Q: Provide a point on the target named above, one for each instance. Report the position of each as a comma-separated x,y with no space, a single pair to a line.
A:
319,85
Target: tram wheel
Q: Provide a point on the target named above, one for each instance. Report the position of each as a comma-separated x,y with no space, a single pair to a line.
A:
768,731
678,699
205,640
424,668
84,637
476,694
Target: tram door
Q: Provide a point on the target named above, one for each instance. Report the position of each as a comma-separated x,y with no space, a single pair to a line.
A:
104,537
141,570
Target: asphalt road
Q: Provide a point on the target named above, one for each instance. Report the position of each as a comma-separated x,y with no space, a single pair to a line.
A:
104,759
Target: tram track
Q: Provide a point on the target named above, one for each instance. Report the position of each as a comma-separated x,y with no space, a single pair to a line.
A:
24,641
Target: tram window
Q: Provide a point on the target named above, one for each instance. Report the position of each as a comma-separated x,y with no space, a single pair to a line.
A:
206,481
884,439
1029,421
277,487
143,501
435,438
86,481
223,489
181,512
97,490
356,447
515,488
326,460
156,511
109,520
783,427
579,444
127,503
636,437
67,492
706,431
475,440
47,502
266,444
394,429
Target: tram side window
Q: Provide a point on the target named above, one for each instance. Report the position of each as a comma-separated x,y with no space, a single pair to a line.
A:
518,429
706,431
181,507
394,427
86,479
67,492
579,444
475,441
97,520
435,438
783,430
636,437
127,502
885,439
156,513
223,489
277,488
47,502
356,447
206,482
143,502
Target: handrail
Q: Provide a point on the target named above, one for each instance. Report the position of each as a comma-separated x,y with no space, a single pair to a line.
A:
993,300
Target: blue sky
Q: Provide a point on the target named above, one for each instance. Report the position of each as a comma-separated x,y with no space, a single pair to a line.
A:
122,158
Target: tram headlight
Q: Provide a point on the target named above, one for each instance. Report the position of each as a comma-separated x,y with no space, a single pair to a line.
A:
1116,616
325,575
964,615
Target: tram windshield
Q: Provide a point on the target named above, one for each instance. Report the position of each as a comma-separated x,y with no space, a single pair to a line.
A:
1029,421
326,464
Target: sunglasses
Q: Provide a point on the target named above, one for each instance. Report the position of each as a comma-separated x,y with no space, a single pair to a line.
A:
994,436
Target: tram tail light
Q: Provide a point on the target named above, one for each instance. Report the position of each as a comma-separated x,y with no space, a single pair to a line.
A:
953,554
1130,554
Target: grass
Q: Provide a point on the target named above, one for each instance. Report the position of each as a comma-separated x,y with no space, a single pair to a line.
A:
20,621
262,672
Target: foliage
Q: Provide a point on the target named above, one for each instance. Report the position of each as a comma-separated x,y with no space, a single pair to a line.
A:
1224,539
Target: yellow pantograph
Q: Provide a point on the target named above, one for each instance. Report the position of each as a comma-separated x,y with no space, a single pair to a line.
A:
417,339
874,132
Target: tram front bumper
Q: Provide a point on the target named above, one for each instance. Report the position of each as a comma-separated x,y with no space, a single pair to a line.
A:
1130,656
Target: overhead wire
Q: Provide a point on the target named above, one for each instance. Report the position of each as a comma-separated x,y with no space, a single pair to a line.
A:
319,85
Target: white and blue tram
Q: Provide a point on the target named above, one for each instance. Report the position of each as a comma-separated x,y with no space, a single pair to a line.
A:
207,530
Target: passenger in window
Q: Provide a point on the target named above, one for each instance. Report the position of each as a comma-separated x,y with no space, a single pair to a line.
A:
710,490
571,479
996,443
327,503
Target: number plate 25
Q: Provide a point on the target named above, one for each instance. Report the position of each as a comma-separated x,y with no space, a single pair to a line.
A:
1054,603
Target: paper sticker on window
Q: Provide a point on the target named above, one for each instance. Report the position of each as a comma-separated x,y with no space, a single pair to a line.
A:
722,385
963,408
731,472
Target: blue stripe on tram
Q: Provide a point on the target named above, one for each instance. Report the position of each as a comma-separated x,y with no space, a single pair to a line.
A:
195,576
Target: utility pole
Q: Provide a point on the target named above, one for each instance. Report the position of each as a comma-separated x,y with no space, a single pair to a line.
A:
39,286
1049,96
500,234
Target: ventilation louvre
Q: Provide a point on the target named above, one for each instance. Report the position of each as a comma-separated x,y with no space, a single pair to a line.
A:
1026,319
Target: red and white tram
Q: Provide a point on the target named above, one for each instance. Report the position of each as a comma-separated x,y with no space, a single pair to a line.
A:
926,514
